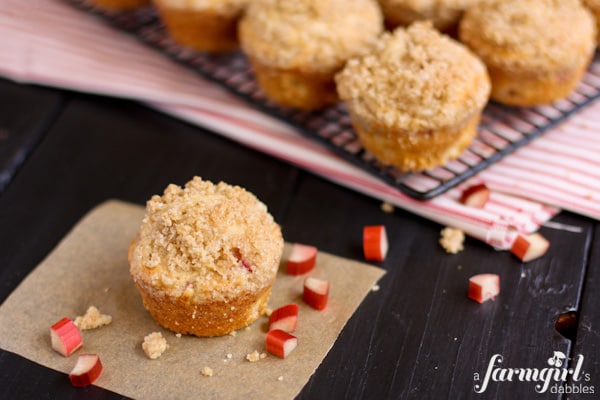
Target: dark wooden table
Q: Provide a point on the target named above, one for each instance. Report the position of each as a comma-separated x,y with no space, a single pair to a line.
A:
418,337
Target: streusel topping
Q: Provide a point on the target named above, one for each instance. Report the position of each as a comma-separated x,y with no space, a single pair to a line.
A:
309,33
415,79
537,34
442,12
206,242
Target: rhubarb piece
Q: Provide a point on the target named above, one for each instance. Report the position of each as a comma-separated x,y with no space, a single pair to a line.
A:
280,343
302,259
284,318
86,370
475,196
316,292
65,337
529,247
375,242
483,287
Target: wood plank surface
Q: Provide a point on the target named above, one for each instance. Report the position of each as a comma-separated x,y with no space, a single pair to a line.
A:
417,337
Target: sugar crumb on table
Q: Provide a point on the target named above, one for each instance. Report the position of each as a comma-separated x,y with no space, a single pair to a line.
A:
154,345
92,319
452,240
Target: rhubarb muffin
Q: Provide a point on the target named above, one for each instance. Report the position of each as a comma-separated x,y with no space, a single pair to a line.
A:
416,100
119,5
536,51
202,25
295,47
205,258
444,14
594,7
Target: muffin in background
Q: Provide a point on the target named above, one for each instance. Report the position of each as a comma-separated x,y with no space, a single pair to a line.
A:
594,7
444,14
119,5
536,51
295,47
416,100
205,258
202,25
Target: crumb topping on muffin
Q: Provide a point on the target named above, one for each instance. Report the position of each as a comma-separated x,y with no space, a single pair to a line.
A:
207,242
416,78
224,7
534,33
442,12
309,33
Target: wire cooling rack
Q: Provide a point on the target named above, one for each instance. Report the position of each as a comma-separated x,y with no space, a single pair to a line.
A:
502,129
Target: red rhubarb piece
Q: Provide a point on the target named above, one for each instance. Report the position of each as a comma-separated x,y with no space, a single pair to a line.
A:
483,287
316,292
530,247
475,196
280,343
284,318
65,337
302,259
86,370
375,242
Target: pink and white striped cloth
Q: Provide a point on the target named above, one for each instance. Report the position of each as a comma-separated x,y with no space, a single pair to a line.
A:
48,42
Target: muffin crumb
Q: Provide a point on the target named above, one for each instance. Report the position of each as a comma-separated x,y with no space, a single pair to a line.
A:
154,345
92,319
254,356
207,371
452,240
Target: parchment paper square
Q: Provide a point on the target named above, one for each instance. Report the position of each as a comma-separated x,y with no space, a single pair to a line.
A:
89,267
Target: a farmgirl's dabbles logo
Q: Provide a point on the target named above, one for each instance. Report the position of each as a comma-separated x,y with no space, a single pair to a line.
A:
552,377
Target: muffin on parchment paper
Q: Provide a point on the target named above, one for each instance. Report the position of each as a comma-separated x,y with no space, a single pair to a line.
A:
205,258
415,102
119,5
202,25
296,46
536,51
444,14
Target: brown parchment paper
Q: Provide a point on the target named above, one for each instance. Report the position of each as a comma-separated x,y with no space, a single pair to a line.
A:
89,267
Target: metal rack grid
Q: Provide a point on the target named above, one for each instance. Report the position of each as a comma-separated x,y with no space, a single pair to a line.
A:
502,129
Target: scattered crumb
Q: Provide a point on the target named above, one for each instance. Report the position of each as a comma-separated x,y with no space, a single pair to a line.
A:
106,289
247,328
207,371
455,339
452,240
375,288
263,355
178,335
229,356
280,378
92,319
232,333
387,207
459,267
523,275
254,356
154,345
268,312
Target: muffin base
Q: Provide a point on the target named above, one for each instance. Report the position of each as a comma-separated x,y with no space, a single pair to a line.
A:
119,5
180,315
530,88
201,30
415,151
295,88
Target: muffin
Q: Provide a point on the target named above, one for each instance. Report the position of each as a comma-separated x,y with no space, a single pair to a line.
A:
205,258
415,102
296,46
444,14
536,51
202,25
594,7
119,5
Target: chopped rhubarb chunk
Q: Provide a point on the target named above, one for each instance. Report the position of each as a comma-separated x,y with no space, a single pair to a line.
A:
316,292
65,337
280,343
284,318
86,370
483,287
475,196
530,247
375,242
302,259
